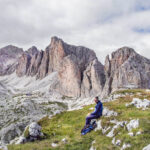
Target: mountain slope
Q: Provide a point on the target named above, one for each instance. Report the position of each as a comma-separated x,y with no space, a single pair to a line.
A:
68,125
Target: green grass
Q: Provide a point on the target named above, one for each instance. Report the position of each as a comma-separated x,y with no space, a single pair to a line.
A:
69,124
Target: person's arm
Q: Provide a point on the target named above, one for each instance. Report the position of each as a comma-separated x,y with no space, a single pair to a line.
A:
97,109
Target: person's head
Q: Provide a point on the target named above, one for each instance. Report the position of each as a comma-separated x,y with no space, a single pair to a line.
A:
96,99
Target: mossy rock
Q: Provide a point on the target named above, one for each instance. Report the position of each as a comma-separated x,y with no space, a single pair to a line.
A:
26,133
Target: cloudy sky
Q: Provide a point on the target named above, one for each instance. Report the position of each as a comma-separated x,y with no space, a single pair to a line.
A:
102,25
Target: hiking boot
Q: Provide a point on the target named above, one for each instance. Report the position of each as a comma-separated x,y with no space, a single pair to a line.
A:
86,126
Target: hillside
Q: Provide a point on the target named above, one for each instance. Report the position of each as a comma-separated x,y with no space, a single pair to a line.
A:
68,125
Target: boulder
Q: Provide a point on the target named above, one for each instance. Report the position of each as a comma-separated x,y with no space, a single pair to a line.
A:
138,103
99,125
121,124
35,131
92,147
64,140
118,142
105,129
146,147
131,134
21,140
125,146
109,113
138,133
133,124
54,144
113,141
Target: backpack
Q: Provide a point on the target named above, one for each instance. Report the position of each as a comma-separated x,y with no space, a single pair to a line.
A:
91,127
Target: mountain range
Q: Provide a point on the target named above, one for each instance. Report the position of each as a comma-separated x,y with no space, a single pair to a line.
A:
78,70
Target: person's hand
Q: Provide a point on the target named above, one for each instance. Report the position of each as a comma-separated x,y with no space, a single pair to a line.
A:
88,114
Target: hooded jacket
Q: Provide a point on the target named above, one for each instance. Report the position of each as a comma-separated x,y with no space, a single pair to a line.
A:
98,109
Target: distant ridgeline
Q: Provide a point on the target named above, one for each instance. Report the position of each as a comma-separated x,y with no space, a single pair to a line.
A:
79,72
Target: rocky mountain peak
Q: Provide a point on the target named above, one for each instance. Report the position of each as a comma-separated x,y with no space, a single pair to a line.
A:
55,39
32,50
121,55
123,51
126,69
11,50
8,59
117,59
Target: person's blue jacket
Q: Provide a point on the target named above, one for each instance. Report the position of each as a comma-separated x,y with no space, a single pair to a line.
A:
98,109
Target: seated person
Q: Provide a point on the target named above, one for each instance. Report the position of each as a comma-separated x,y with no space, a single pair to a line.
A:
96,114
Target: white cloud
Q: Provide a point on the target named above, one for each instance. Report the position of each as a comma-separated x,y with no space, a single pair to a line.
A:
103,25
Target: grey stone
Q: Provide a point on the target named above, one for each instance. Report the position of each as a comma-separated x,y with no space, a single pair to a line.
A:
131,134
54,144
35,130
99,126
146,147
21,140
109,113
124,146
118,142
138,103
64,140
133,124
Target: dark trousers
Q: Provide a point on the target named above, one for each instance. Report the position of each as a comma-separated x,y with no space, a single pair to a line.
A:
89,118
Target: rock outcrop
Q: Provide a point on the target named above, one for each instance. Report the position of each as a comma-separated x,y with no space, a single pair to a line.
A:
138,103
126,69
146,147
35,131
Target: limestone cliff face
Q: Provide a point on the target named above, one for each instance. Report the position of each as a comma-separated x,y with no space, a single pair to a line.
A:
69,77
71,62
126,69
93,79
27,62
